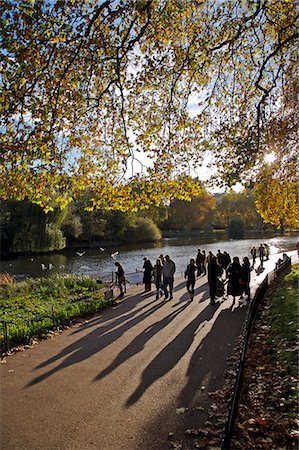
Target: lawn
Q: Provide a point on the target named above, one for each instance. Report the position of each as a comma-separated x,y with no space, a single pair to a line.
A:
31,308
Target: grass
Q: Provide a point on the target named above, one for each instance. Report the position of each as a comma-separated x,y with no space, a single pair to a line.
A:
31,308
284,332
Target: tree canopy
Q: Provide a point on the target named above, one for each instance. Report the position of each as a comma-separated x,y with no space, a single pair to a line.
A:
277,194
90,88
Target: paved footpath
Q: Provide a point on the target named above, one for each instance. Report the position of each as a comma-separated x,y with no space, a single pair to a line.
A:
124,379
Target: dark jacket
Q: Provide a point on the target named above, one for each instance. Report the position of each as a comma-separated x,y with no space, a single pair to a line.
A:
190,273
234,274
148,270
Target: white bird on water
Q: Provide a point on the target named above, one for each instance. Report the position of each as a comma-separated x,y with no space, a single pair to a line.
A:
102,249
80,254
51,266
43,266
113,255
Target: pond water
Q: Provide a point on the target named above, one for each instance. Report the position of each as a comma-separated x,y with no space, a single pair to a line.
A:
99,263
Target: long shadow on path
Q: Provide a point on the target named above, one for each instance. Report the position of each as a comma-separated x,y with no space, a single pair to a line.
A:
208,361
171,354
205,374
204,288
99,338
138,343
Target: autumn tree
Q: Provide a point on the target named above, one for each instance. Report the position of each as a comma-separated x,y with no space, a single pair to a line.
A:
277,185
277,194
191,215
237,204
90,89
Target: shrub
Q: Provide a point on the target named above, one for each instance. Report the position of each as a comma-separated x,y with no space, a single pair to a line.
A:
145,230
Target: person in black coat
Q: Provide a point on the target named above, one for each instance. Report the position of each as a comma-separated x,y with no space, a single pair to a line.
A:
234,274
226,260
158,277
214,271
147,274
120,278
200,260
190,275
245,278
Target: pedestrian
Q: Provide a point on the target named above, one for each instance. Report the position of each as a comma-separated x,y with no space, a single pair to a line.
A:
204,263
147,274
261,253
190,277
168,276
158,277
267,251
120,279
245,278
214,271
226,260
162,259
253,254
209,257
234,275
199,262
219,257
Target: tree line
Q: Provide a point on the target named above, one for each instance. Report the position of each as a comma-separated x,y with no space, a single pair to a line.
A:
26,228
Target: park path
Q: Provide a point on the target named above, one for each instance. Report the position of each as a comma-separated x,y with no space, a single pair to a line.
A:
124,379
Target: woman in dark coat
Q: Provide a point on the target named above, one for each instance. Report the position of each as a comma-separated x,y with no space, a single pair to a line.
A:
147,274
158,276
190,275
120,278
234,274
214,271
245,278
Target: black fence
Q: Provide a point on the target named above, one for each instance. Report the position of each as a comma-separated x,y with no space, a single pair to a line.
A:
282,267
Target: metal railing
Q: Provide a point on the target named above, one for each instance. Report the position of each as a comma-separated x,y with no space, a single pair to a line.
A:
281,268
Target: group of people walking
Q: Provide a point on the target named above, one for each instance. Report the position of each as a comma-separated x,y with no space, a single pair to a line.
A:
162,274
221,270
262,252
215,266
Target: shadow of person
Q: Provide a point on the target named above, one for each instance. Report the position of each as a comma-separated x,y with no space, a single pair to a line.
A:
209,358
260,269
170,355
99,338
138,343
125,310
199,290
179,286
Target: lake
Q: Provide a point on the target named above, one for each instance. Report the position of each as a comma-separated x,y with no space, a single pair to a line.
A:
99,263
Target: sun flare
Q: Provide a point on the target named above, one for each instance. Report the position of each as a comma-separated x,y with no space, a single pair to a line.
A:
270,157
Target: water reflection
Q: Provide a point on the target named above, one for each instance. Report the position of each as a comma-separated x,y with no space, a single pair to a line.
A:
98,263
